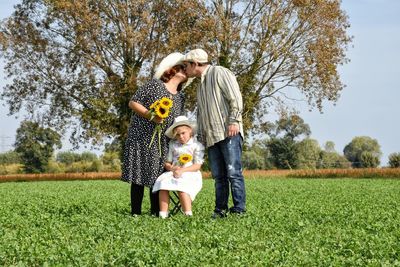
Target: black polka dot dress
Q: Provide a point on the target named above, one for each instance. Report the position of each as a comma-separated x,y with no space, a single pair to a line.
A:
142,164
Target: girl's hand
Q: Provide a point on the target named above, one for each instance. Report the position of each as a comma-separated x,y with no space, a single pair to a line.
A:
175,167
177,172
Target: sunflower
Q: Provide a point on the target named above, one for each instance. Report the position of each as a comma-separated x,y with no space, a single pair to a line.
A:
159,108
161,111
185,158
166,103
155,104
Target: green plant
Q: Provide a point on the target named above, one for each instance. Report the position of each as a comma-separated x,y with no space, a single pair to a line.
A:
289,222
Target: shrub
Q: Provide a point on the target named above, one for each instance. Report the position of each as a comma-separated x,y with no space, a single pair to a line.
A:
110,158
11,169
68,157
10,157
96,166
79,166
394,160
85,166
252,161
332,160
115,166
369,160
88,156
55,167
346,173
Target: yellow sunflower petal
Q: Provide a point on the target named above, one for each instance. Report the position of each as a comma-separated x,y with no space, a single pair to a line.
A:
185,158
166,102
161,112
156,103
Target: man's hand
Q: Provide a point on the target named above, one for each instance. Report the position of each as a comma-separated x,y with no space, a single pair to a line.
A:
233,130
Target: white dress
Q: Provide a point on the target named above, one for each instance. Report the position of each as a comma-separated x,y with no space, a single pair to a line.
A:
189,182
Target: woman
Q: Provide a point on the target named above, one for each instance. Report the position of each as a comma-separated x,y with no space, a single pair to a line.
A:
142,162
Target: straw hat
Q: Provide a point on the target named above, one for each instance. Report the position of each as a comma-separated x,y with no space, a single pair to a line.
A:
179,121
168,62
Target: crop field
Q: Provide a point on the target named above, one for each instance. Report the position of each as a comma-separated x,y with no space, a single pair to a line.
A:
290,222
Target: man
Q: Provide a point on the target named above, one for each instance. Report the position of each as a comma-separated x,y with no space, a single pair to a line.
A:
220,128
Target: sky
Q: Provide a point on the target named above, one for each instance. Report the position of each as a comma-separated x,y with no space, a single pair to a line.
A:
368,106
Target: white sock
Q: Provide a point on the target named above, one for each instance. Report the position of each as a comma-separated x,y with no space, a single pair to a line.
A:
163,214
188,213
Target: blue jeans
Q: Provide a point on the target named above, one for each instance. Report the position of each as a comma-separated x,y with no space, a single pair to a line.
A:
226,168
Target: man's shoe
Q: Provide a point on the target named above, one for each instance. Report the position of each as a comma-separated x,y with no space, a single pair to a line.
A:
236,211
218,214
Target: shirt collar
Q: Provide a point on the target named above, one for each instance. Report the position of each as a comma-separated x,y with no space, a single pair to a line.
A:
203,74
188,142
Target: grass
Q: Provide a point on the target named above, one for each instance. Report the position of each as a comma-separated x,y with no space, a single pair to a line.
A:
290,222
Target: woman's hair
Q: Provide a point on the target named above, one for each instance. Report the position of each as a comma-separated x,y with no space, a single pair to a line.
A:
167,75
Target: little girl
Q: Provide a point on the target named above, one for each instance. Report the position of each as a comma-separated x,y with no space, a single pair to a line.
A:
184,159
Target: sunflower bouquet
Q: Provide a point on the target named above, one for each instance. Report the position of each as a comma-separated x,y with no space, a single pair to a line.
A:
184,158
159,108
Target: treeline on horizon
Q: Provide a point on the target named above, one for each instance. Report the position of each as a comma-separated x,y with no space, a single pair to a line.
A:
284,145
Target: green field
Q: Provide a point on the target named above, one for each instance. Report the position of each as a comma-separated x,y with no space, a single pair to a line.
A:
290,222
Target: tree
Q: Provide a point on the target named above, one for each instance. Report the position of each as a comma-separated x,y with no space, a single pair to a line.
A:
276,46
36,145
283,143
360,144
292,127
332,160
77,63
329,146
283,153
308,154
394,160
114,146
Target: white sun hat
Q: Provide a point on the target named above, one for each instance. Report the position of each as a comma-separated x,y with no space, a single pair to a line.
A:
179,121
168,62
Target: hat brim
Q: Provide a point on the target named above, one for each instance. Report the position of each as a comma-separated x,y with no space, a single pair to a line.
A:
170,131
167,63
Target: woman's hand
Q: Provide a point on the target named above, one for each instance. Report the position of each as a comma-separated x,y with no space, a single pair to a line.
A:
157,119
